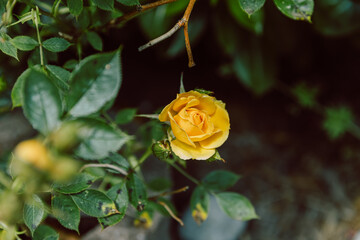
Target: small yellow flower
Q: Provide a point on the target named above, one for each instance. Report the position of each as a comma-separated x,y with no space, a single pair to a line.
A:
34,152
199,122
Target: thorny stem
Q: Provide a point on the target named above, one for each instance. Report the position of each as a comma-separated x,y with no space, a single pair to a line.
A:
120,170
36,18
180,170
182,23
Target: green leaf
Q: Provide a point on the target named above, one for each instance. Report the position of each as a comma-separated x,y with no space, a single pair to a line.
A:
129,2
6,46
236,206
18,89
79,183
296,9
99,140
337,121
199,204
220,180
160,184
118,193
44,232
41,101
95,40
137,192
65,211
70,64
56,44
94,203
107,5
125,115
75,6
116,159
305,95
33,213
60,76
253,24
251,6
24,43
94,82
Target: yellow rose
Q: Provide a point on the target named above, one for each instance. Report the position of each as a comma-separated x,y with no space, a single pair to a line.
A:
199,122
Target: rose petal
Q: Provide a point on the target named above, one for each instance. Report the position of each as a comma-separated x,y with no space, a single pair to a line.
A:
186,152
185,103
220,117
179,133
163,116
207,105
215,141
187,126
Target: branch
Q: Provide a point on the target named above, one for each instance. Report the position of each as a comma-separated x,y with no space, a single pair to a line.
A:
182,23
171,213
120,170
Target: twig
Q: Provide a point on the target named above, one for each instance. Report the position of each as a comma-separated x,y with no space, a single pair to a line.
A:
183,189
182,23
122,171
171,213
140,9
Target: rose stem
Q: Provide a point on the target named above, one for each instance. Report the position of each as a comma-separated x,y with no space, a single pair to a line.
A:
194,180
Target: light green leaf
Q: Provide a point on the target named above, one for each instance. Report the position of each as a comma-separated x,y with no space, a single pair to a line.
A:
6,46
17,91
118,193
107,5
118,160
60,75
33,213
44,232
236,206
95,40
305,95
24,43
65,211
56,44
79,183
94,82
220,180
75,6
41,101
129,2
99,140
337,121
296,9
251,6
137,192
199,204
125,115
94,203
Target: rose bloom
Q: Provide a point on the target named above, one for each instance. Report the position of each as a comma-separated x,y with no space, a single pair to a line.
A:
199,122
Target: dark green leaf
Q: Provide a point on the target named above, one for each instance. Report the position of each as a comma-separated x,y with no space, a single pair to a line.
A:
99,140
337,121
199,204
61,76
33,213
220,180
94,203
75,6
95,40
44,232
41,101
296,9
137,192
251,6
116,159
24,43
160,184
65,211
18,89
56,44
79,183
305,95
254,24
71,64
6,46
236,206
118,193
94,82
125,115
129,2
107,5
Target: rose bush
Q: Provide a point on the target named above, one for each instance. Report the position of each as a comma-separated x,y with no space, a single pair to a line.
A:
199,122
